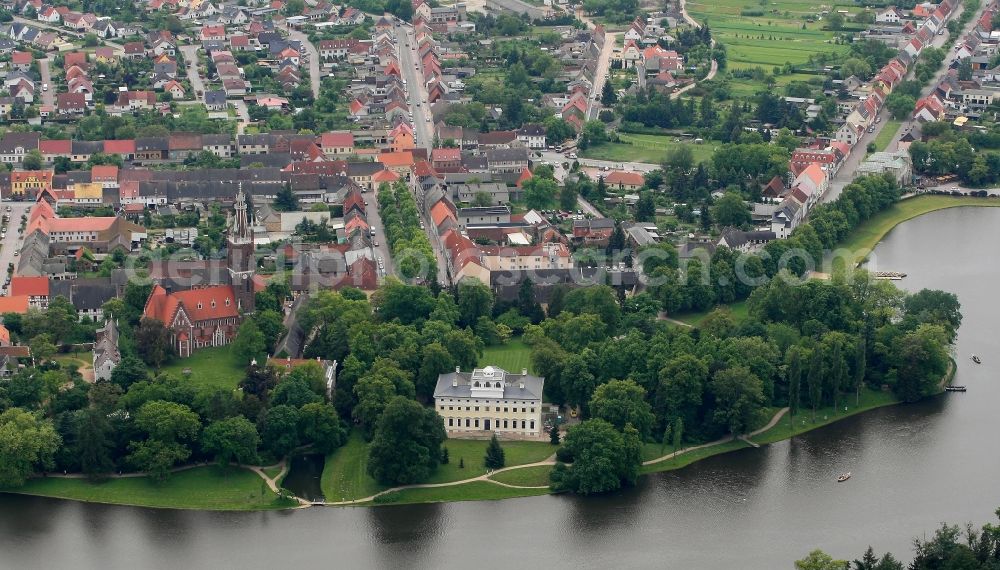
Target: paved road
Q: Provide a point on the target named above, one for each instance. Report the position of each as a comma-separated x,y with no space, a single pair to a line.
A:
423,128
846,173
313,59
35,23
601,74
48,96
375,221
12,242
190,53
588,208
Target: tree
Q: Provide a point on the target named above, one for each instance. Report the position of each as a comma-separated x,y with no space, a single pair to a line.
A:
678,433
680,388
819,560
622,403
157,457
319,424
129,371
554,434
494,458
250,344
33,160
814,380
730,210
27,443
168,421
285,200
568,197
578,383
406,447
152,341
793,359
231,440
604,459
474,300
93,442
900,105
739,396
608,95
539,193
271,325
645,208
835,20
279,430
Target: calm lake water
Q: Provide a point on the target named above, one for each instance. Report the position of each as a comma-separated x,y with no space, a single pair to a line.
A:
913,466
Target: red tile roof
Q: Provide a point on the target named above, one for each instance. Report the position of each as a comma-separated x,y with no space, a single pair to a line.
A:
30,286
14,304
200,304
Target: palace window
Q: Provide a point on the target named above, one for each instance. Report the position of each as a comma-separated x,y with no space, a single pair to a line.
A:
467,422
451,422
477,422
523,424
505,424
532,424
477,408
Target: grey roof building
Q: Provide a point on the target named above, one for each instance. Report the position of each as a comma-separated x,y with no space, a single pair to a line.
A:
490,400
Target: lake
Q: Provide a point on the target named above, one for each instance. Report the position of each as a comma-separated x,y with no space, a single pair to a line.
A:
913,465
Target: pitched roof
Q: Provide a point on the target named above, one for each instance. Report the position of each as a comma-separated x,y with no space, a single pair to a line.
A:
217,302
30,286
14,304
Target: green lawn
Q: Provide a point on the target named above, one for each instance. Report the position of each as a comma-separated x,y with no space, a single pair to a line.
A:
803,420
82,360
738,310
473,451
537,476
210,488
745,88
512,357
474,491
866,236
345,475
272,472
779,35
885,135
654,450
645,148
210,367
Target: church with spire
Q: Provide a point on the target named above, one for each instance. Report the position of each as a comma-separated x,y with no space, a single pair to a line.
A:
205,316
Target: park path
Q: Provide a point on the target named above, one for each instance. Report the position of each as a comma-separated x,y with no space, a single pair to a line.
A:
746,438
550,461
662,316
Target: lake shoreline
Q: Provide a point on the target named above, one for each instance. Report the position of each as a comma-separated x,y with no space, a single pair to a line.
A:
874,231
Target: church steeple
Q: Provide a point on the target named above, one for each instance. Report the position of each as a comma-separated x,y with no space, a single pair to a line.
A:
240,258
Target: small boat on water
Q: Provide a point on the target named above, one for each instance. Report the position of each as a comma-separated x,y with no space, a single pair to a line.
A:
844,477
976,359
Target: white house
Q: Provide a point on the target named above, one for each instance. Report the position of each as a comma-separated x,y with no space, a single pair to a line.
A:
490,400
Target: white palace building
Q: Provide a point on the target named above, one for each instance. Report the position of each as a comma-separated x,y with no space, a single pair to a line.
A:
490,400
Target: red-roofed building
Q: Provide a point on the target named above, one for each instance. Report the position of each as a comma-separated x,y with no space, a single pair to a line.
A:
337,143
196,318
14,304
126,148
36,289
446,159
622,180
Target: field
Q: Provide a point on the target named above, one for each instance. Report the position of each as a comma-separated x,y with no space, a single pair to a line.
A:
512,357
745,88
210,488
210,367
885,135
652,149
781,35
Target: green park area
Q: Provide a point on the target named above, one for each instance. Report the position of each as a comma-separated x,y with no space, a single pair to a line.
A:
537,476
345,476
208,488
209,367
738,310
651,149
473,491
805,419
512,357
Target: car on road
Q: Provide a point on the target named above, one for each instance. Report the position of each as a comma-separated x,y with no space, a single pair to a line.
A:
375,243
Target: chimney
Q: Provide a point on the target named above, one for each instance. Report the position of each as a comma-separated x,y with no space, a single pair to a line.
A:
524,372
454,382
521,385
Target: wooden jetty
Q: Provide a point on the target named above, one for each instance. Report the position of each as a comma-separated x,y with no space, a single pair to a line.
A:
889,275
955,388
